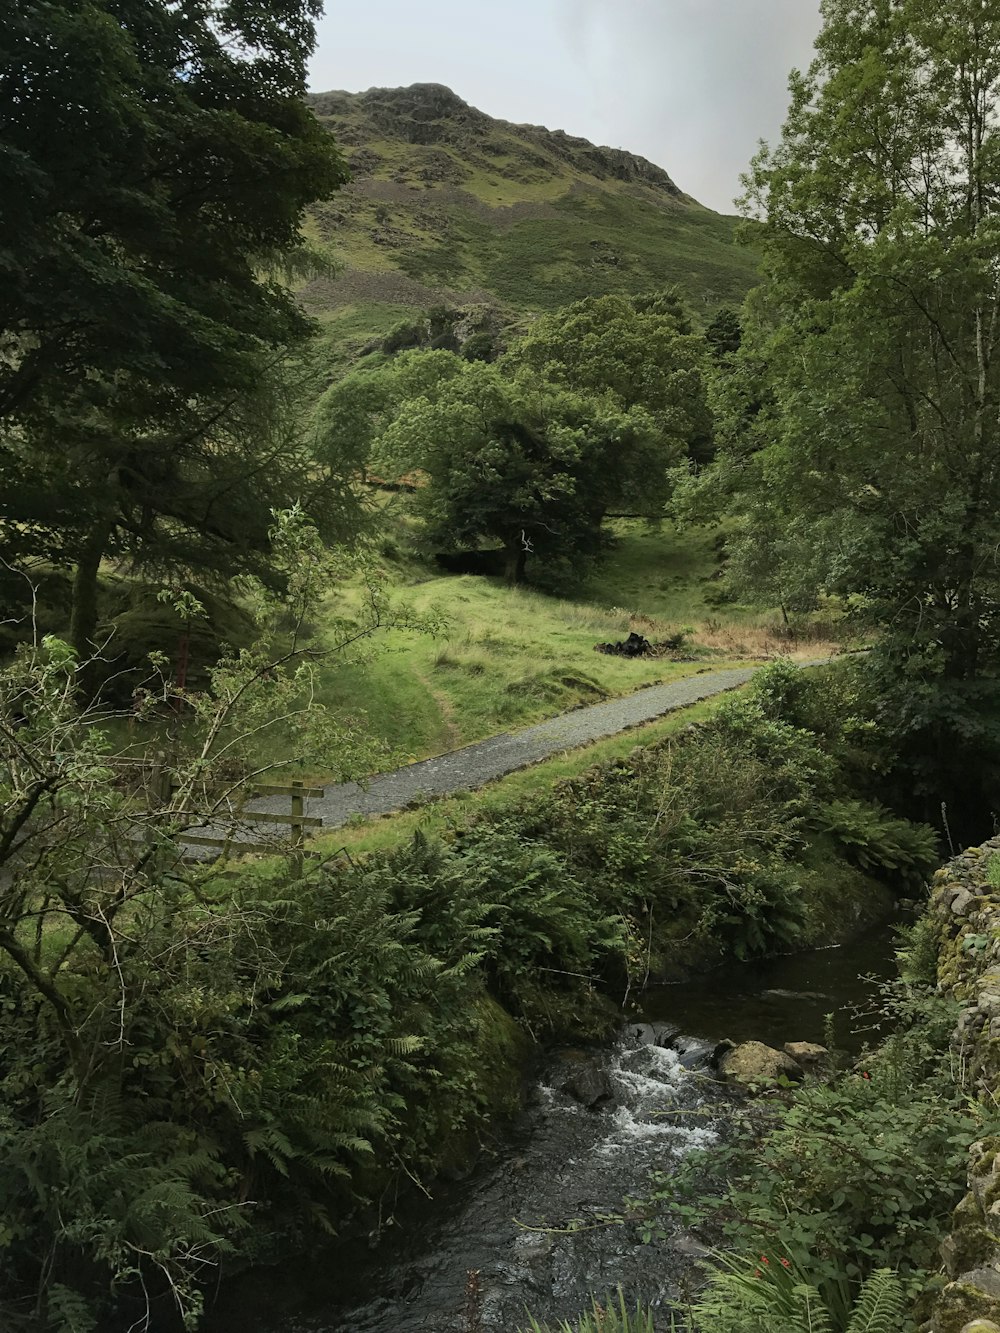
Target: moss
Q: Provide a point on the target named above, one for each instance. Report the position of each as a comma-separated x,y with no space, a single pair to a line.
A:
969,1246
960,1304
840,899
503,1049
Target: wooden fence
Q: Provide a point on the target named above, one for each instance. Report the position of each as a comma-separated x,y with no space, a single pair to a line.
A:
297,823
156,782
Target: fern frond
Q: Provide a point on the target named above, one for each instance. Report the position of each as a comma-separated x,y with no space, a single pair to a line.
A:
881,1305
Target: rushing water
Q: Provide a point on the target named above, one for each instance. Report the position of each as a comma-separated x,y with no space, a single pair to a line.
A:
528,1229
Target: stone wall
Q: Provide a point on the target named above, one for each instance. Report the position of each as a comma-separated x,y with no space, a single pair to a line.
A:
965,914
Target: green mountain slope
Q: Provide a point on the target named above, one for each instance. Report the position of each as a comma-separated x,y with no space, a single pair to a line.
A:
448,204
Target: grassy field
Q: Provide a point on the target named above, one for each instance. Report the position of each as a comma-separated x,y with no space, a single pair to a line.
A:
512,656
504,658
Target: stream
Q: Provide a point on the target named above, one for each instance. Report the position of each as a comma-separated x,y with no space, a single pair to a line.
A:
490,1247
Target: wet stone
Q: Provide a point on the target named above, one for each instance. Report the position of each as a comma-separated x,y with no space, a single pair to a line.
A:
753,1062
812,1057
589,1085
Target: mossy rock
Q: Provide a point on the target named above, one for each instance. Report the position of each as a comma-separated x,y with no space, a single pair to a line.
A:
969,1246
840,900
962,1303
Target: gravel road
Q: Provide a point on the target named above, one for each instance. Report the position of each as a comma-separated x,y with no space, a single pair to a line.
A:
475,765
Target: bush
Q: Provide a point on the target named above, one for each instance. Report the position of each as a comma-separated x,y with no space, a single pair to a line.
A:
406,334
875,839
849,1179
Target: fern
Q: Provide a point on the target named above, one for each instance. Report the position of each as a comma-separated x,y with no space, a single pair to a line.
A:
761,1295
881,1305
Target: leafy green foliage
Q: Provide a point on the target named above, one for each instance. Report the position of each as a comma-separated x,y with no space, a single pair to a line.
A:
858,445
849,1179
762,1294
583,416
144,319
876,840
608,1316
182,1043
638,354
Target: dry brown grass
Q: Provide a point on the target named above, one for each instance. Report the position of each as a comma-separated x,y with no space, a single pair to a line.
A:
766,641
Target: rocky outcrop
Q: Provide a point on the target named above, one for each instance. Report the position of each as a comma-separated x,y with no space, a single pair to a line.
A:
430,113
810,1057
589,1084
965,912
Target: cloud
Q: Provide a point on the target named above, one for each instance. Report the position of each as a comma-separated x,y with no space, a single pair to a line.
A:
692,84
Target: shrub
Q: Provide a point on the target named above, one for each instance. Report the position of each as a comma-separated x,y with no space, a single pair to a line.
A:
876,840
762,1294
406,334
851,1178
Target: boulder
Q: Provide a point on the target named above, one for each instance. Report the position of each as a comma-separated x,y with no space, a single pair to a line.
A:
813,1058
753,1062
692,1052
650,1034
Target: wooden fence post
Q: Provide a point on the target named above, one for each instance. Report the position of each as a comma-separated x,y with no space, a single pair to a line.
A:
298,829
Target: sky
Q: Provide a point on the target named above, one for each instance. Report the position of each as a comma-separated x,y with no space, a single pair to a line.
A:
690,84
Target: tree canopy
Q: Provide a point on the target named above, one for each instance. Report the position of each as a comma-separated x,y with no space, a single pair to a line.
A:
141,314
863,401
586,415
530,466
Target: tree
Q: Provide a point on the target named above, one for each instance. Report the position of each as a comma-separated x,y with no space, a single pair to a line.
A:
177,1080
878,331
638,354
141,312
724,333
519,462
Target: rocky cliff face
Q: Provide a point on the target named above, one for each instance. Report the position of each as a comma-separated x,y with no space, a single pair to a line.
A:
429,113
965,910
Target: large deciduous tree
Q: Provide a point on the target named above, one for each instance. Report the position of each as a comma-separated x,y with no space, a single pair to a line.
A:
875,413
518,461
155,164
638,354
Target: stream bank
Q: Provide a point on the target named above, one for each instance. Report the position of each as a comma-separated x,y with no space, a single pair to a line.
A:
530,1221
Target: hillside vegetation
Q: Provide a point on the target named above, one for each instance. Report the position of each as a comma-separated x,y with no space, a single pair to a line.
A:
211,1066
448,204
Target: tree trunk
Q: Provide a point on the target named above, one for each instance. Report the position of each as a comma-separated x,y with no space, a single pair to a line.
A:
514,558
83,621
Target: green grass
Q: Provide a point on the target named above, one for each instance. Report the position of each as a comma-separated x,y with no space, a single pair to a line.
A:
510,657
350,328
659,571
439,817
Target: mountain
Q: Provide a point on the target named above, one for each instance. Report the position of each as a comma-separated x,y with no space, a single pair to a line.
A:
448,205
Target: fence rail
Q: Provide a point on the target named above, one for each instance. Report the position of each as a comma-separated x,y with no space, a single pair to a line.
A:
155,778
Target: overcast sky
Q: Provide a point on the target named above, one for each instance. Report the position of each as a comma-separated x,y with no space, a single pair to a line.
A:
690,84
